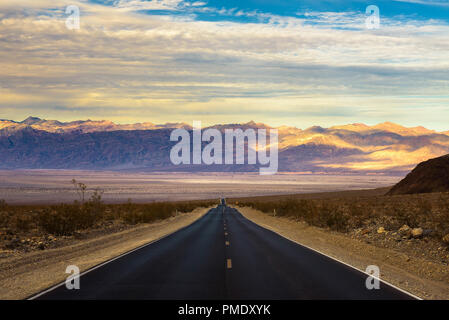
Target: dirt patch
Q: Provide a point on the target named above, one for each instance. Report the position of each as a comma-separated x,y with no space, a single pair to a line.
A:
406,268
24,274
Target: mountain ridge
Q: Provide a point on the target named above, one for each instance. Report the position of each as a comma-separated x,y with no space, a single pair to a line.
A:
87,144
107,125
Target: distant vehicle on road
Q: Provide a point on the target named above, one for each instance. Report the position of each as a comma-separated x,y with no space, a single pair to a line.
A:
223,201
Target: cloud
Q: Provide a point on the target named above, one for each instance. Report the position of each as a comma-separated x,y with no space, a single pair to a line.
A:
320,66
444,3
136,5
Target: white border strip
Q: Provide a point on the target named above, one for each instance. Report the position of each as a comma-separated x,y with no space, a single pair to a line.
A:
113,259
335,259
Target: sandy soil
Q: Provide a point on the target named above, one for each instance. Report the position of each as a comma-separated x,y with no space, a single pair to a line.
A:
53,186
25,274
415,274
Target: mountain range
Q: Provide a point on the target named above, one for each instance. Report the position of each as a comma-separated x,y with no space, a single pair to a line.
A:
386,148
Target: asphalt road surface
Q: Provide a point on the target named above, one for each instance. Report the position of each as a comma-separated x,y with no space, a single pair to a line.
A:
224,256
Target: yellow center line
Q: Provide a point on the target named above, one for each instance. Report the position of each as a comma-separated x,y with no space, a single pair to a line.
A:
229,263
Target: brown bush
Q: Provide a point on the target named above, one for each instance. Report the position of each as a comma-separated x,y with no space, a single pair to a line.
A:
429,211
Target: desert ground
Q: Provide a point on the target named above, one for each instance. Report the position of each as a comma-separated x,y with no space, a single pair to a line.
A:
53,186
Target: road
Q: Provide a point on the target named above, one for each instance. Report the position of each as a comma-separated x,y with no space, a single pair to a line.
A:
224,256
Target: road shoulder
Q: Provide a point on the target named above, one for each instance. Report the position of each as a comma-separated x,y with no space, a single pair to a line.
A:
423,278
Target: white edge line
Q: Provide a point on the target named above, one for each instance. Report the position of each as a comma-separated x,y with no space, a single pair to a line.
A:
335,259
110,260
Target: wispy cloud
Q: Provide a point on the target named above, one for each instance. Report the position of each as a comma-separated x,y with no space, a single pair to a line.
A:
139,5
428,2
314,67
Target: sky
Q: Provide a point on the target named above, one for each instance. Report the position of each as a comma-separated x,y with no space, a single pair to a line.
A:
282,62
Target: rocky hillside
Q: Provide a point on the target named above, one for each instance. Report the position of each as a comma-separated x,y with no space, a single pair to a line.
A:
429,176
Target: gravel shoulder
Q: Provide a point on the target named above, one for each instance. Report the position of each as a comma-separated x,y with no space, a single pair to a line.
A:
417,274
25,274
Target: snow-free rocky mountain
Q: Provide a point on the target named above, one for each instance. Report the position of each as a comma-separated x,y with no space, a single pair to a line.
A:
385,148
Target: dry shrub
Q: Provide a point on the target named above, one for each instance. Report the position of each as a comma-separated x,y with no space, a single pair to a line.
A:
322,214
333,217
61,219
22,222
66,219
133,213
429,211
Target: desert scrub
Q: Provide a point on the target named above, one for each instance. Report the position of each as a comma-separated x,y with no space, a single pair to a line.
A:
428,211
321,214
333,216
66,219
133,213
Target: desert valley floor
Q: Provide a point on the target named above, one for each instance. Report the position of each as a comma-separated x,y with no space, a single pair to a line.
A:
54,186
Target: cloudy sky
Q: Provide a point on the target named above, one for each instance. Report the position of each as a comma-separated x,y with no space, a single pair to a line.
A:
282,62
